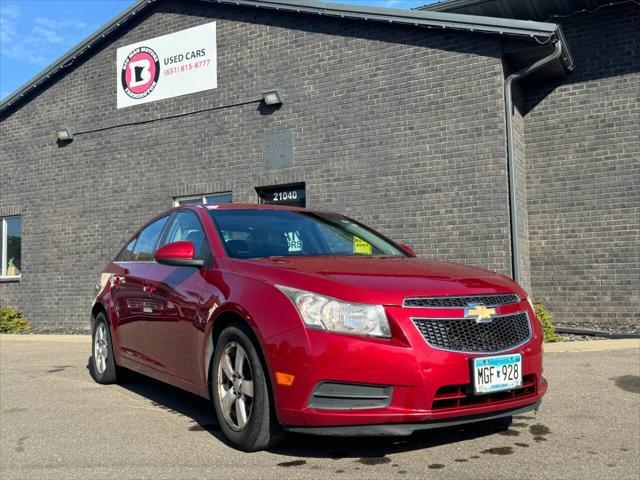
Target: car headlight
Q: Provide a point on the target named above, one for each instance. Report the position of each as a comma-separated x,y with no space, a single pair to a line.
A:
318,311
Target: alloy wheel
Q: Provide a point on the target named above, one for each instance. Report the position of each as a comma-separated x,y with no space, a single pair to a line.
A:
235,386
101,349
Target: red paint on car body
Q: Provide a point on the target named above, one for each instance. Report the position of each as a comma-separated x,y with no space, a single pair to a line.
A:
162,319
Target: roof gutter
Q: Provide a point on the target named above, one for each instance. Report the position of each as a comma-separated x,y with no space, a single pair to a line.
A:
511,168
473,23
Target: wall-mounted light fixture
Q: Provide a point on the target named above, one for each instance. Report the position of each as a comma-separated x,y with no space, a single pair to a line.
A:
64,134
272,97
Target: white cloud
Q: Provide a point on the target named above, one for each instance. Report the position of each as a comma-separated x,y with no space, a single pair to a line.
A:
9,11
7,31
30,42
54,24
47,35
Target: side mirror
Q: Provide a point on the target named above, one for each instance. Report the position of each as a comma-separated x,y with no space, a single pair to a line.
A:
178,254
408,249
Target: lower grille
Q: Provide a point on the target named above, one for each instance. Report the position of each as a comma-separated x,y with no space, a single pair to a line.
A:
349,396
466,335
456,396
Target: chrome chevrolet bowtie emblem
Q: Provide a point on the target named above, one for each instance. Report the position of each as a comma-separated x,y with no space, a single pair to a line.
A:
480,313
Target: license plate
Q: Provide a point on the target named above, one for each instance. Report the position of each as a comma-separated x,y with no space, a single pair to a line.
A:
493,374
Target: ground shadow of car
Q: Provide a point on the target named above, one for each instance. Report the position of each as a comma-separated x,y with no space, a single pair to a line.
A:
371,451
170,399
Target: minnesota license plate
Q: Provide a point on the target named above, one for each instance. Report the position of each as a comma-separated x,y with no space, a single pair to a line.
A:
493,374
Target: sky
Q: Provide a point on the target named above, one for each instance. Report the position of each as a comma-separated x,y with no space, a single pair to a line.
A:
34,33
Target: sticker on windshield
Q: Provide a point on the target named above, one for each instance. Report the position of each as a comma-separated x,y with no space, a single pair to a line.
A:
360,246
293,241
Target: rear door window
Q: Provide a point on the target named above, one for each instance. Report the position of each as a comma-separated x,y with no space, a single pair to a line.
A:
148,239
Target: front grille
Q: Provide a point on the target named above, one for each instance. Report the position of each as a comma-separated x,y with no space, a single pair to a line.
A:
456,396
465,335
462,302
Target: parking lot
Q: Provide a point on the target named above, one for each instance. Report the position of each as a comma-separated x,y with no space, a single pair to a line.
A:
57,423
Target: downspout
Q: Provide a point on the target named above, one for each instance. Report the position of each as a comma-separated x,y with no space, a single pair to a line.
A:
511,167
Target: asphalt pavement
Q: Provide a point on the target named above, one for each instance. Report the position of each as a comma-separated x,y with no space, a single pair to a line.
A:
55,422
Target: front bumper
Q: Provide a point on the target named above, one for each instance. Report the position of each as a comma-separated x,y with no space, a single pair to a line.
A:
406,429
415,371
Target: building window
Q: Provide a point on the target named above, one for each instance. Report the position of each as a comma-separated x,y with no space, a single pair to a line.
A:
10,247
206,199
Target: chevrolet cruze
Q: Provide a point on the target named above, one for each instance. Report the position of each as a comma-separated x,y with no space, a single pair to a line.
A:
299,320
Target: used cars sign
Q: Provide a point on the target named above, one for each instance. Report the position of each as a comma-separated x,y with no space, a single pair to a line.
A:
167,66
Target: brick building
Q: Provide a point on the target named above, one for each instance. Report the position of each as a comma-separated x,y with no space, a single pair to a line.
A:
581,154
397,118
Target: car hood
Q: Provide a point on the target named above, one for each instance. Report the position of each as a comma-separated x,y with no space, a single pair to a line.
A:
386,280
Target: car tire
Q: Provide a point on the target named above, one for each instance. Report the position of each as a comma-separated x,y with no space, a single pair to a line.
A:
103,366
240,391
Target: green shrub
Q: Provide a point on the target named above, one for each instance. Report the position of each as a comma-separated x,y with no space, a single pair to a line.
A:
11,320
546,320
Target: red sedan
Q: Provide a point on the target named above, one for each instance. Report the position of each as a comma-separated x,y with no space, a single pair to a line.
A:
307,321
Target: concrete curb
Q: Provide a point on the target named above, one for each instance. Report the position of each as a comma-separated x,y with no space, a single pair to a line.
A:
593,345
8,337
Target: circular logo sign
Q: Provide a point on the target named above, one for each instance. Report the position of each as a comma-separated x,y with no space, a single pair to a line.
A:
140,72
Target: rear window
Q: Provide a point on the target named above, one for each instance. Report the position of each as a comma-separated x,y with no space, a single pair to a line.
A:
269,233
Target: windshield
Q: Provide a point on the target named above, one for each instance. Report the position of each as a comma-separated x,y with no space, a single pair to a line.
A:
285,233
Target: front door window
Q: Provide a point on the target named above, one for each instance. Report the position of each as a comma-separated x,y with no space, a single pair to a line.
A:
187,228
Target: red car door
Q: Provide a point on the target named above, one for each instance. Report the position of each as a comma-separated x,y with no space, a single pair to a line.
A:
174,327
127,282
128,290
